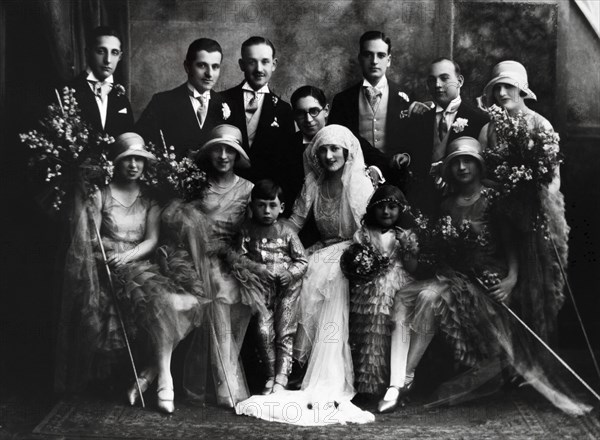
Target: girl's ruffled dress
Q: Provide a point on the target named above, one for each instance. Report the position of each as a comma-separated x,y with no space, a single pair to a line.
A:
372,309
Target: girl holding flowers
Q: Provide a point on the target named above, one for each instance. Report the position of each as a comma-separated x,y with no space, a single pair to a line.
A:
378,265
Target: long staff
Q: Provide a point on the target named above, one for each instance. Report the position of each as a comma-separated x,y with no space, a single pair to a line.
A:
585,335
116,304
590,389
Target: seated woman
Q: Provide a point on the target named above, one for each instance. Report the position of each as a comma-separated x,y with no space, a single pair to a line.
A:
476,274
197,237
538,295
90,338
336,190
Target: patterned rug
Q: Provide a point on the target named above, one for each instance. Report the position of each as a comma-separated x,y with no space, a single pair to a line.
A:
513,414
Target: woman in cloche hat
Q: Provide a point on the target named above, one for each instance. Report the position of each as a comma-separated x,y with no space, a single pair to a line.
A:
128,222
539,292
464,299
196,238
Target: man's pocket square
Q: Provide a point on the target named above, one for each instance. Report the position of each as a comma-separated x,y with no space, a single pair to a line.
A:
123,110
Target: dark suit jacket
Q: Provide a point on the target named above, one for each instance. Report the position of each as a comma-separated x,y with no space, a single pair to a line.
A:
344,111
420,188
271,144
119,117
173,113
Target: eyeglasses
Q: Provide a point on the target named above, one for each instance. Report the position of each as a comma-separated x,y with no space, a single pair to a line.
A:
303,114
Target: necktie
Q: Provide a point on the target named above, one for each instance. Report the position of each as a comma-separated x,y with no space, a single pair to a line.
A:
373,94
252,105
101,89
443,127
202,109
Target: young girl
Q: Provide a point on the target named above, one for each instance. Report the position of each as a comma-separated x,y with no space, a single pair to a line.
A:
373,296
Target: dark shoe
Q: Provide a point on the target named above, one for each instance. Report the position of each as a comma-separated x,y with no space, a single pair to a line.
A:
268,389
387,406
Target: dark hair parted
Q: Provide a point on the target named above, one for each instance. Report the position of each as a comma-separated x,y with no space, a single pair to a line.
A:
266,189
388,193
440,59
101,31
202,44
375,35
305,91
253,41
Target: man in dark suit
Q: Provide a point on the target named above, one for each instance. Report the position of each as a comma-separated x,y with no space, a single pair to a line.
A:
427,134
187,114
103,103
374,107
264,118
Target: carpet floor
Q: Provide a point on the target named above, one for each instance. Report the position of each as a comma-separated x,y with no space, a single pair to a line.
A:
514,414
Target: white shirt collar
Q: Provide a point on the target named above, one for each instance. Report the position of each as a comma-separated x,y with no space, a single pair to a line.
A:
452,107
264,89
381,85
305,140
196,94
92,77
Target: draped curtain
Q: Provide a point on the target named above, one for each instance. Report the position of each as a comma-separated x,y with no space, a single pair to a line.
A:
67,23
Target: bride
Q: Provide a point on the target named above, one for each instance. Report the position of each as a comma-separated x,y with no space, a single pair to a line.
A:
336,190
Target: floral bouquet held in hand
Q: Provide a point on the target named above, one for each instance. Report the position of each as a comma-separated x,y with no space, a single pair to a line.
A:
175,179
67,152
522,162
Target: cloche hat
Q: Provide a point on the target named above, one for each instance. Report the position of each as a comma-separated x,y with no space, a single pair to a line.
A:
129,144
463,146
508,72
225,134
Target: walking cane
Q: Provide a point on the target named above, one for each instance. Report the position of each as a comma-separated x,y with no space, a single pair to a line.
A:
114,296
585,335
590,389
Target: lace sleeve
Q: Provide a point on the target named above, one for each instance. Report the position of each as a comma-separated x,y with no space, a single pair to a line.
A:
304,203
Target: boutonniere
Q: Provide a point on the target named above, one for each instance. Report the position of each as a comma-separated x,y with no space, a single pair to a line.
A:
226,111
403,96
275,123
119,89
403,114
459,125
275,101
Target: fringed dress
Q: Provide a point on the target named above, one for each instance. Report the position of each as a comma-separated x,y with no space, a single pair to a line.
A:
372,311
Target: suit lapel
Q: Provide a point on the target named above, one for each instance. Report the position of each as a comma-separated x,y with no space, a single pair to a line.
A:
188,114
353,104
267,114
238,113
87,102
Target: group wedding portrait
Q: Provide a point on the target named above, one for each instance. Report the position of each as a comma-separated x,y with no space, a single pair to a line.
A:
299,219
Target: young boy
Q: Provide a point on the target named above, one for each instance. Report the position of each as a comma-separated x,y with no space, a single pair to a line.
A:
273,251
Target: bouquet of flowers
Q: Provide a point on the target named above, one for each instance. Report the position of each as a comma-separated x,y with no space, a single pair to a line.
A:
173,178
67,151
522,162
362,262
